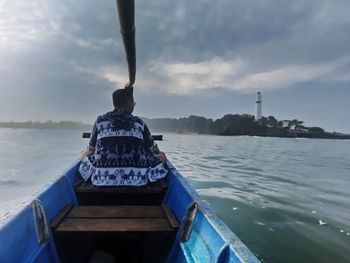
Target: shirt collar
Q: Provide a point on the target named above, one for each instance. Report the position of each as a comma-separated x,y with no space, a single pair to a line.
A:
121,111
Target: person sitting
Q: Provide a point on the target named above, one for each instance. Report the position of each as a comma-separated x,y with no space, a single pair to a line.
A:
121,150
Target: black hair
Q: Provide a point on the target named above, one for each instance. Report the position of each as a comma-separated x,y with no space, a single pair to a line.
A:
121,97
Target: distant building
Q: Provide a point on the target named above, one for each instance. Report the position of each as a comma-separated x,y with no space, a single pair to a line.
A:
258,106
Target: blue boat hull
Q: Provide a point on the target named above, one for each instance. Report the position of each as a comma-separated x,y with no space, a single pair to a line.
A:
210,239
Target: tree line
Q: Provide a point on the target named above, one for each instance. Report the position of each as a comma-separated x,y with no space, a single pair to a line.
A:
238,124
230,124
52,125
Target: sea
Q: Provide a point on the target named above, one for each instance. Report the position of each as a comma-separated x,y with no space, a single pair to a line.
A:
287,199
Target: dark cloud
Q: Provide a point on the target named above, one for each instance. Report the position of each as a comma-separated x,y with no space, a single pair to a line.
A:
62,59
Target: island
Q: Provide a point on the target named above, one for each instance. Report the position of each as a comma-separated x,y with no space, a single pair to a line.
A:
228,125
242,124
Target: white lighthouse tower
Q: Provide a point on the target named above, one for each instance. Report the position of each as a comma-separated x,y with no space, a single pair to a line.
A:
258,106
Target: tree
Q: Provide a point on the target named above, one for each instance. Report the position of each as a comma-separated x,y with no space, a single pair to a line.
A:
272,121
316,129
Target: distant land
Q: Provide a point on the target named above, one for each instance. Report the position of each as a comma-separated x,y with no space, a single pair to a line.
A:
48,125
242,124
228,125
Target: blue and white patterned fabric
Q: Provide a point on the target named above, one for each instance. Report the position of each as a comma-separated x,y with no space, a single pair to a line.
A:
122,152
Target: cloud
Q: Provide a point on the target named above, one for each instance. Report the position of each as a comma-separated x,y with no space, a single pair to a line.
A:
281,77
187,78
17,27
72,50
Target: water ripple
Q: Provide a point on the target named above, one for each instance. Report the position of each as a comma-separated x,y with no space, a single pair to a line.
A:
272,192
276,185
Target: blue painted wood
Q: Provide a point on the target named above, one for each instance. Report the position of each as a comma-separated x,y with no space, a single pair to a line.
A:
18,237
210,240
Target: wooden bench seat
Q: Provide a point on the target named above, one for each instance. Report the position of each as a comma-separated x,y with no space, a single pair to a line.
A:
128,233
152,194
114,219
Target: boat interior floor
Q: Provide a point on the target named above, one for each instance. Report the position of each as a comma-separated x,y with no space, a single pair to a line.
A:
132,249
118,232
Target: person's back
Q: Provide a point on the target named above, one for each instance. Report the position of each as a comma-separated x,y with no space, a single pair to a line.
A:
121,149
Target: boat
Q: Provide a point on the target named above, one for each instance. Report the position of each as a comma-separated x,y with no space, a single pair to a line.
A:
73,221
171,213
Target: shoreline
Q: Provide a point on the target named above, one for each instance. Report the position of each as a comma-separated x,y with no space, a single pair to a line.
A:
84,127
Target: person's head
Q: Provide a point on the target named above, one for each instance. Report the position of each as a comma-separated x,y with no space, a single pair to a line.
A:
124,99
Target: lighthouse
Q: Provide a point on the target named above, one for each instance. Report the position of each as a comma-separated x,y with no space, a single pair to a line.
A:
258,106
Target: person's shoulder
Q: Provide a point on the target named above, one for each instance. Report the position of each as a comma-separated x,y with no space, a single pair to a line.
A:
103,116
137,119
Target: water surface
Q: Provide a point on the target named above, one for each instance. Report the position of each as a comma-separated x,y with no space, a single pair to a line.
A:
288,200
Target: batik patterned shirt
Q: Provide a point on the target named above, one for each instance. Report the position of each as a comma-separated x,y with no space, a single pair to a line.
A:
122,152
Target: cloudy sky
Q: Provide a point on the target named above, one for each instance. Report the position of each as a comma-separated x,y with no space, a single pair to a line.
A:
61,60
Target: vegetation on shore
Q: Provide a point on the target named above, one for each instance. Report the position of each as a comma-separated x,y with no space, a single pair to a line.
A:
230,125
52,125
241,124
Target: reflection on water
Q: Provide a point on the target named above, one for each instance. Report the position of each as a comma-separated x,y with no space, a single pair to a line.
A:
272,192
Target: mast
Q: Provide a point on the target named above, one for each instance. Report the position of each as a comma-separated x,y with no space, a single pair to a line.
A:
126,12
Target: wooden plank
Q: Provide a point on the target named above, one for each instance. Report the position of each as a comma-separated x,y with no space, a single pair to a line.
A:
156,137
148,189
116,212
86,135
113,199
114,225
170,216
61,216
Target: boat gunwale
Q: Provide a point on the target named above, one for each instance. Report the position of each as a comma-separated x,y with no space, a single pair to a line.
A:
237,247
240,250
